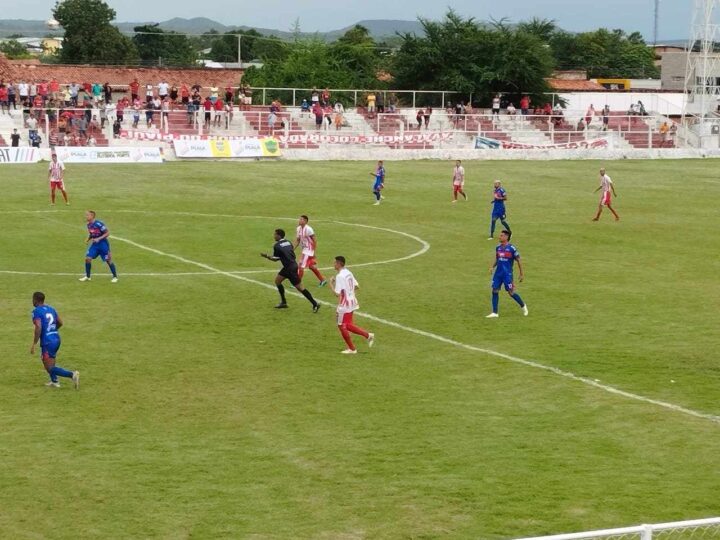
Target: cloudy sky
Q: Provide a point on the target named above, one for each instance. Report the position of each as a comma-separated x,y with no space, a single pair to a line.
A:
323,15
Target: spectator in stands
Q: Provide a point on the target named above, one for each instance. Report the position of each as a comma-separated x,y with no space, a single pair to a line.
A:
371,99
74,94
32,125
66,98
328,114
325,98
173,96
62,123
229,113
196,88
35,140
54,89
4,103
547,109
12,93
107,92
32,90
15,138
196,105
304,107
83,126
184,95
229,93
380,102
605,117
214,92
97,91
589,115
42,90
91,141
580,125
23,90
319,114
88,110
149,112
392,103
26,111
136,113
218,106
122,104
419,117
134,87
641,108
672,133
510,109
271,119
496,106
163,89
50,111
207,107
94,125
314,97
149,93
426,116
524,105
102,108
66,139
339,115
116,128
664,131
634,110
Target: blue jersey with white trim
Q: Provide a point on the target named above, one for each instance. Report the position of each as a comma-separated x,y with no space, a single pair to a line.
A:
48,323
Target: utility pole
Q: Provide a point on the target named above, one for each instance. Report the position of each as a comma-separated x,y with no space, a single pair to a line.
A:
239,36
657,21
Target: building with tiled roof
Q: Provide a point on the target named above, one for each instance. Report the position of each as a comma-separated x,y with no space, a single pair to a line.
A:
117,76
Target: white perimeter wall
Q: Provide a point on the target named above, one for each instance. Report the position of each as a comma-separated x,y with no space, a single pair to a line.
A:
661,103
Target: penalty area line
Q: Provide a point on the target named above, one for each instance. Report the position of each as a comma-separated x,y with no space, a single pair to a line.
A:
449,341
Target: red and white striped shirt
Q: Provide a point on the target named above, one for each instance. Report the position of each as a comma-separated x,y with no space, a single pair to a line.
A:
56,169
305,234
345,284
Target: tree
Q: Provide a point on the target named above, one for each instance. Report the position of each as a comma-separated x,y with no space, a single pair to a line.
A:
14,50
254,45
156,45
470,58
89,36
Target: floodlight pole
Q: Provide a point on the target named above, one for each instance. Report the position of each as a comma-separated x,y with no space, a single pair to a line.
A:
239,36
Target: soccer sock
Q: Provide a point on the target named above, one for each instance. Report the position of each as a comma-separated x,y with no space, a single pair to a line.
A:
88,266
357,330
492,227
505,224
58,371
112,269
377,195
281,290
495,301
317,274
346,337
309,296
517,298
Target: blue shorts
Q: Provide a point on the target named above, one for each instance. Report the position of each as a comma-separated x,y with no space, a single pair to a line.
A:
101,250
503,279
377,187
50,347
498,215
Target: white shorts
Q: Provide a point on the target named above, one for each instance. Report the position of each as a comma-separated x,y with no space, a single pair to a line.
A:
306,261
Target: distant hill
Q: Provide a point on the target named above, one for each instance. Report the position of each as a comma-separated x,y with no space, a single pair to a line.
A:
199,25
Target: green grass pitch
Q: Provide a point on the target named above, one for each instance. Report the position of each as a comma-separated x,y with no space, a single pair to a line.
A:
205,413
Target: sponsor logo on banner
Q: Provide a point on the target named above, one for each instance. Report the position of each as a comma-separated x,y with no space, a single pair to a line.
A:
18,155
411,138
112,154
227,148
485,143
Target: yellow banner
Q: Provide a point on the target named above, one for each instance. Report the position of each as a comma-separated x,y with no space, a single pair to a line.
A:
220,148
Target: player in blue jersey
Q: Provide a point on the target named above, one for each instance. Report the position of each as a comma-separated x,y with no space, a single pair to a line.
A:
99,246
379,184
498,210
46,324
505,255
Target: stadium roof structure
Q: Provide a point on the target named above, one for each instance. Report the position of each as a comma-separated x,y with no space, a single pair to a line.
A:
574,85
15,70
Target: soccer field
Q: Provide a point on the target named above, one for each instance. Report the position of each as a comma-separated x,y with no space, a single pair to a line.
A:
206,413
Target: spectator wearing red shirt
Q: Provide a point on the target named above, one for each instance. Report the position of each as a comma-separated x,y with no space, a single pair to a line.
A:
218,106
524,104
229,93
134,89
120,109
54,88
184,94
42,91
4,103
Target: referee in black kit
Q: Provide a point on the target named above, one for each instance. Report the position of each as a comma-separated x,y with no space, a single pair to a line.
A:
283,251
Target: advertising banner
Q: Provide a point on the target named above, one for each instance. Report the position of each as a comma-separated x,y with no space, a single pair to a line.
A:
111,154
227,148
18,155
485,143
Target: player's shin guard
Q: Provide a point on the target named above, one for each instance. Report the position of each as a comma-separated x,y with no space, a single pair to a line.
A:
281,290
517,298
495,301
309,296
112,269
88,267
346,336
505,224
57,371
357,330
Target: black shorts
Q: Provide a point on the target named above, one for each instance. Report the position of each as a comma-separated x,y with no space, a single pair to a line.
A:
291,273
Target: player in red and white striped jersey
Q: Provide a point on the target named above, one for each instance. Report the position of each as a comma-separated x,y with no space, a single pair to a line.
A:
607,186
306,238
56,176
344,285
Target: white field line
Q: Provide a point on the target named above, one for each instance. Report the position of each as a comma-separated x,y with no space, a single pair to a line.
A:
449,341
